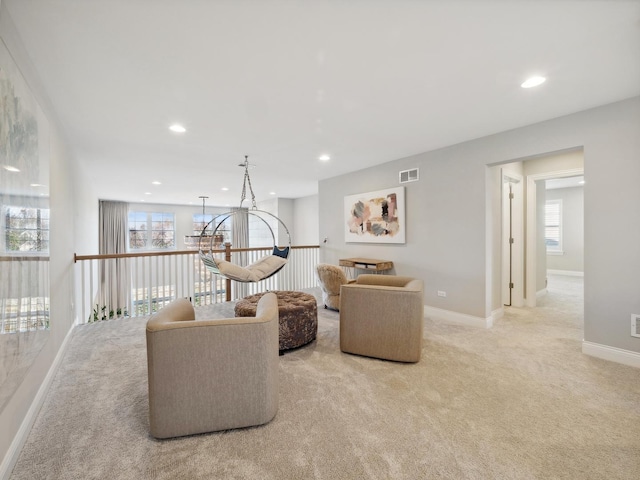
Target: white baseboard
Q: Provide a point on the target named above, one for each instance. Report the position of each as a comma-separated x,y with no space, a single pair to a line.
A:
613,354
20,439
455,317
570,273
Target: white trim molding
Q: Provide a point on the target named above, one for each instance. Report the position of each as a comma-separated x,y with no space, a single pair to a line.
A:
613,354
461,318
11,457
569,273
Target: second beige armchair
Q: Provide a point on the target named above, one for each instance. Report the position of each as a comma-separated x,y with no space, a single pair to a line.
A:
382,316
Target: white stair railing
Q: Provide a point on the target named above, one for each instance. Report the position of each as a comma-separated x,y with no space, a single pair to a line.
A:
139,284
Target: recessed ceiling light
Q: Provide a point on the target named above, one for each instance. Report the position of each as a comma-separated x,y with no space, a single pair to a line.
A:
147,193
155,182
225,189
177,128
581,182
37,185
272,193
533,82
9,168
324,158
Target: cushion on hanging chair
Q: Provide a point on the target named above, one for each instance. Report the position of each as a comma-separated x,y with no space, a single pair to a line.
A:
255,272
266,266
235,272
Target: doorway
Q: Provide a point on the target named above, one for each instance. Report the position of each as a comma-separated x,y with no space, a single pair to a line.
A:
536,269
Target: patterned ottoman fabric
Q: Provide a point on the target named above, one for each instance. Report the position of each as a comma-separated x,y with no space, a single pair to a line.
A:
298,313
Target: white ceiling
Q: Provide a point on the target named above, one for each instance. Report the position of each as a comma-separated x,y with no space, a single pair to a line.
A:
283,82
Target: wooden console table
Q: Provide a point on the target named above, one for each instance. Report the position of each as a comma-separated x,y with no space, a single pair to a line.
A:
369,264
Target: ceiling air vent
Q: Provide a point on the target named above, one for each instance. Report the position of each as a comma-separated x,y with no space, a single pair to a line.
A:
409,175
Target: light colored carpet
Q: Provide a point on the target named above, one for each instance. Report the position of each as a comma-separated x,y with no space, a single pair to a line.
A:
518,401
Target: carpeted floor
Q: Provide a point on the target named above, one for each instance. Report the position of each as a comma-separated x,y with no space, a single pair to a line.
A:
518,401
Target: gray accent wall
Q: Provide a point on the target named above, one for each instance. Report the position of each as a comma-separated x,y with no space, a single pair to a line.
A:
450,224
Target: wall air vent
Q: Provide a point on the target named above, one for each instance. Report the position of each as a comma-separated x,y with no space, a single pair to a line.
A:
409,175
635,325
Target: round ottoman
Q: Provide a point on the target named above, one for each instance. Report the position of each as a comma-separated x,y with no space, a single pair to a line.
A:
298,315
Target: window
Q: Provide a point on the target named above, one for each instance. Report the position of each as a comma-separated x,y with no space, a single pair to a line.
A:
553,226
26,229
200,221
151,231
224,231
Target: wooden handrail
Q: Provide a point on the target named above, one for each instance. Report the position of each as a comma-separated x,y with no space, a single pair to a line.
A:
77,257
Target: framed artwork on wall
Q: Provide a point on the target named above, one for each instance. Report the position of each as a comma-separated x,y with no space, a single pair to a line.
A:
375,217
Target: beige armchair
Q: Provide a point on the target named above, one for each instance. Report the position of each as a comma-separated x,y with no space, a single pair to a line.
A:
331,278
209,375
382,316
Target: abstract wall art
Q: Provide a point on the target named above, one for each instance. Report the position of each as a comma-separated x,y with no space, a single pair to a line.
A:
375,217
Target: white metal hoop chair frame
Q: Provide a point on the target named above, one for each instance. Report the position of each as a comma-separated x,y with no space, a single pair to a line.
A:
262,268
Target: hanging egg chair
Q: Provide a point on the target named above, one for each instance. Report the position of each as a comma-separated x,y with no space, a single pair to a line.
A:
261,269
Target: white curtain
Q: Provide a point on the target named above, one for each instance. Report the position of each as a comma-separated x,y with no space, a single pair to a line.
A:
115,278
240,239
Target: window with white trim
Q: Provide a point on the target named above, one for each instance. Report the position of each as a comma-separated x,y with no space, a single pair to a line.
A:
553,226
200,221
26,230
152,231
223,234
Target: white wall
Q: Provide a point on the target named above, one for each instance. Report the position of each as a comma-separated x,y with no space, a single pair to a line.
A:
285,214
572,258
66,196
306,220
448,231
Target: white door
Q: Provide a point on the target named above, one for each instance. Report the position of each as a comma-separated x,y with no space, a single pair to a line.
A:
512,239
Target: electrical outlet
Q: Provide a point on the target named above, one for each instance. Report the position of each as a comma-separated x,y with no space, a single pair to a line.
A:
635,325
441,293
